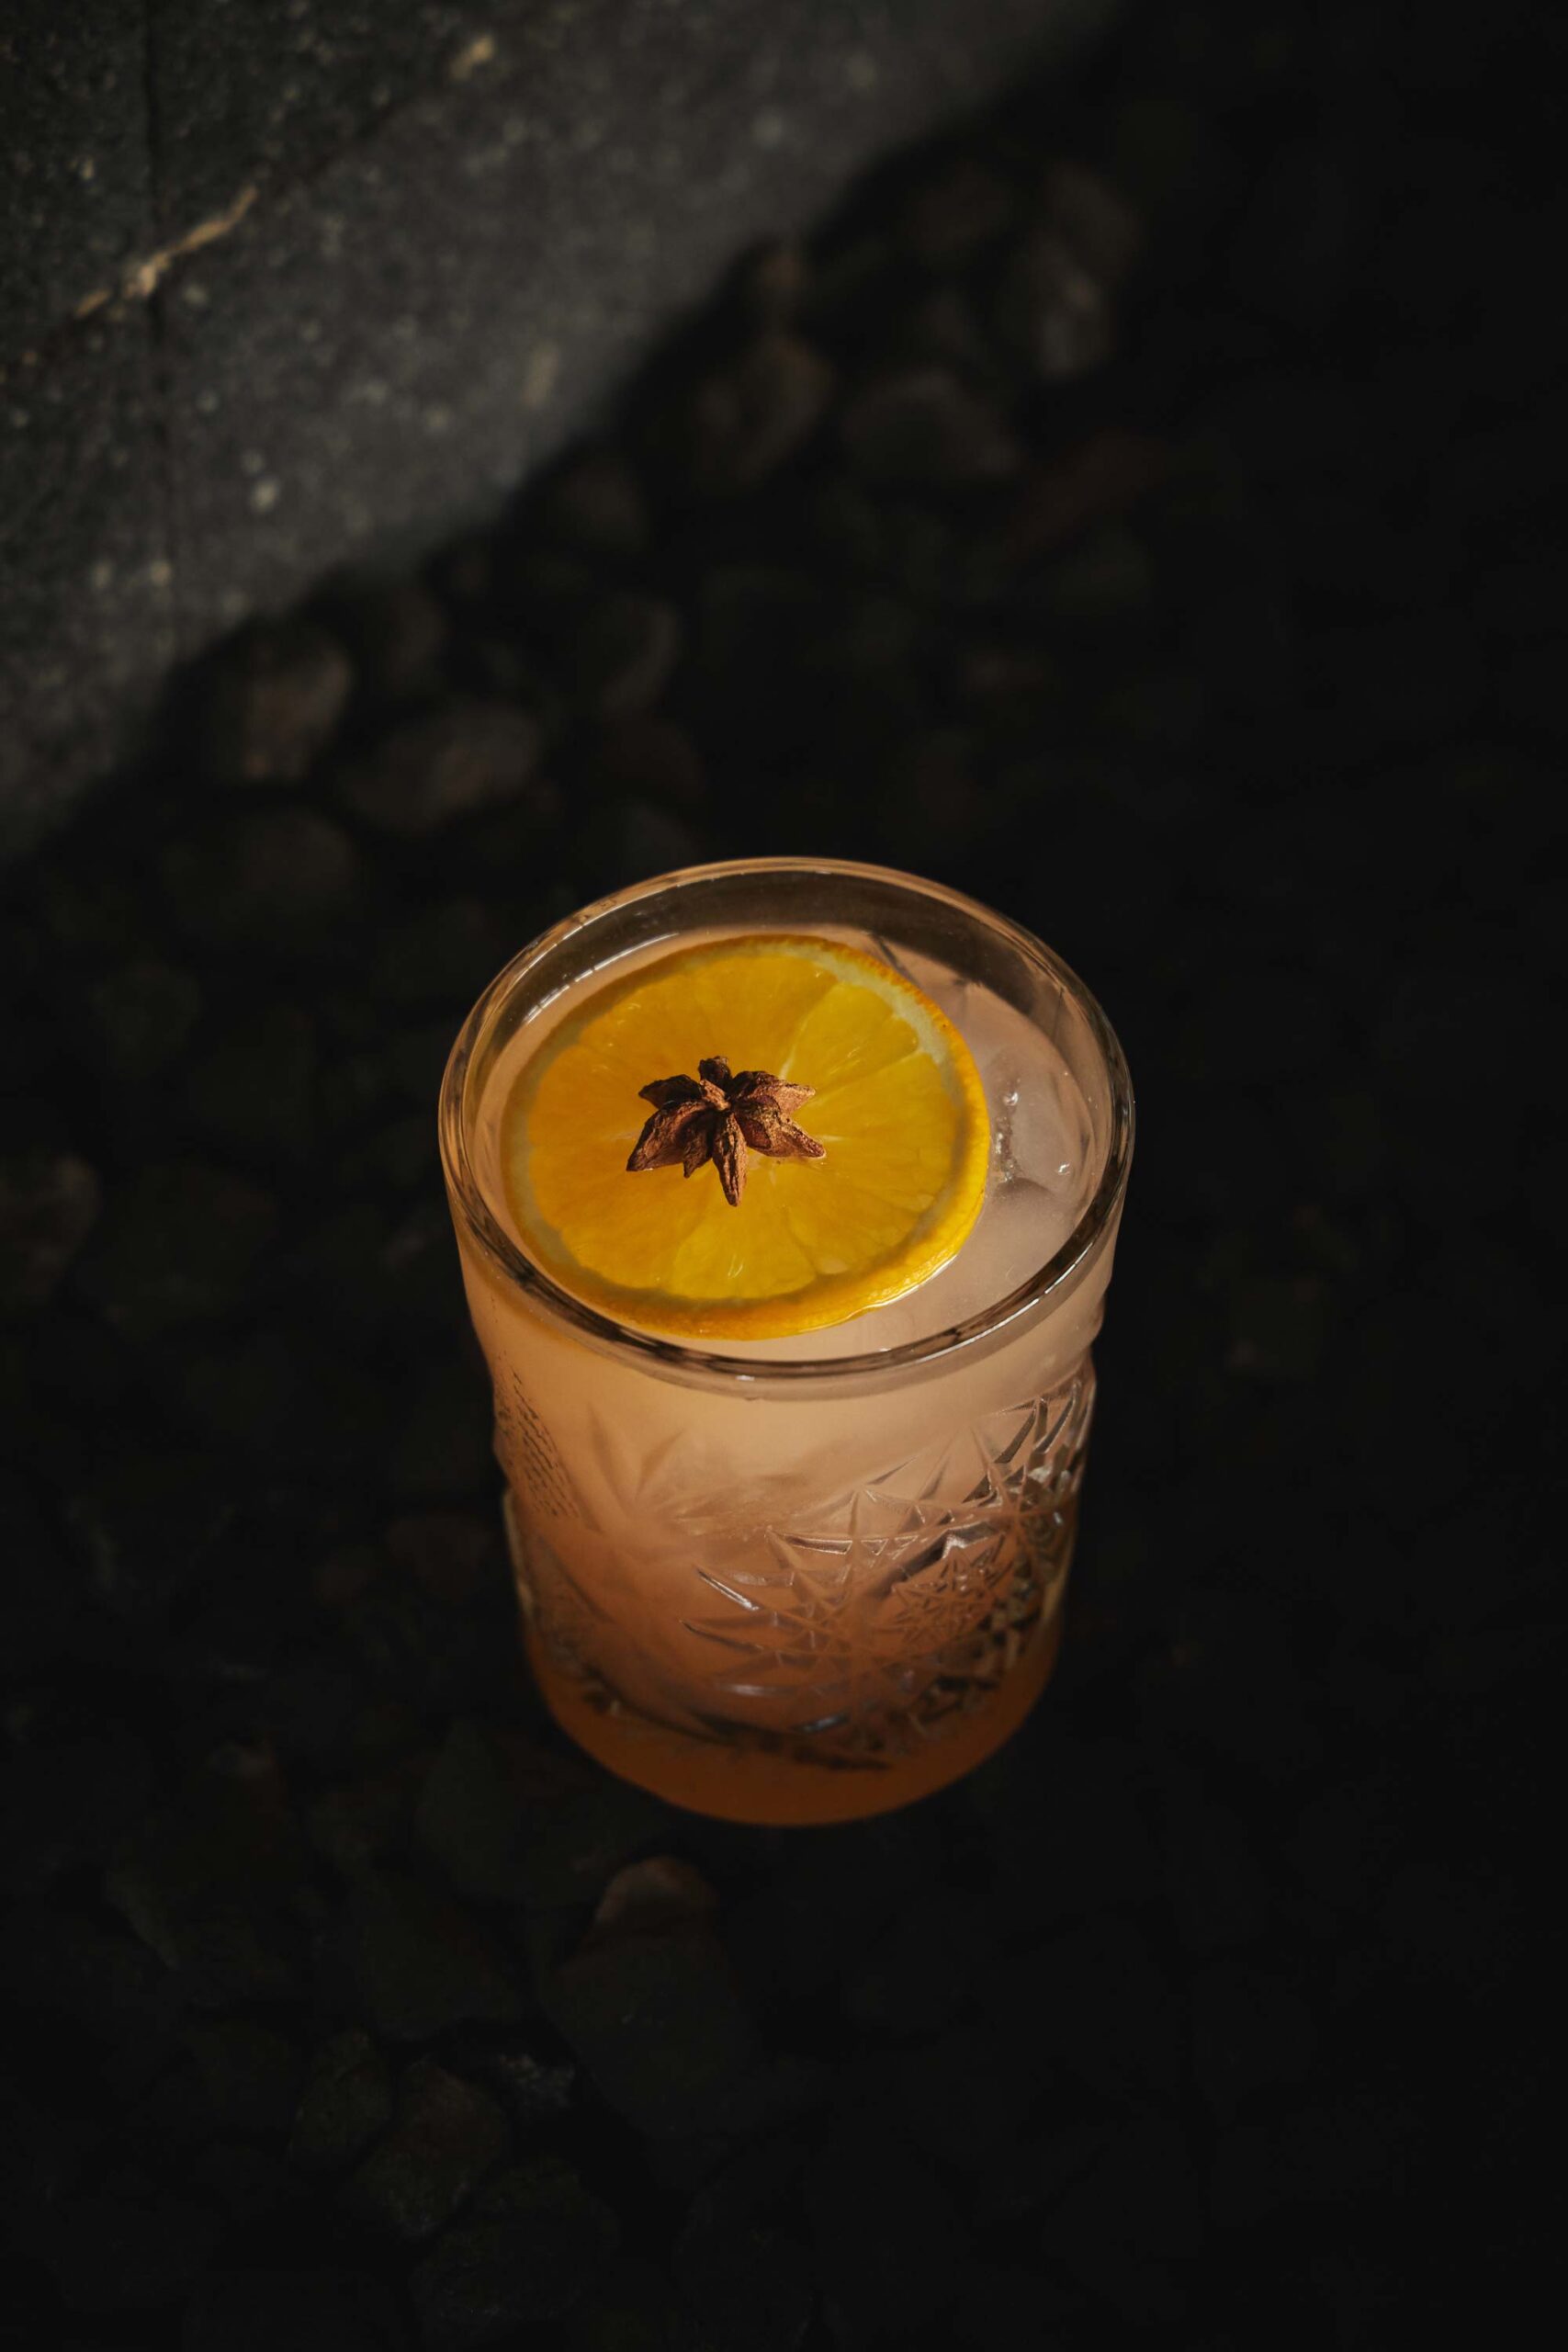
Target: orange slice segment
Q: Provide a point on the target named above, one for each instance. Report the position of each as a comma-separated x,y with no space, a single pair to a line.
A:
899,1108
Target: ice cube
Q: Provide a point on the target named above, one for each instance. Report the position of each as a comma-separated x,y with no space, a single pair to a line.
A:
1034,1107
1019,1226
1044,1146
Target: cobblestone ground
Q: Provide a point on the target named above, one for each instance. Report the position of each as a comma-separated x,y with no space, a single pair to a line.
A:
1139,512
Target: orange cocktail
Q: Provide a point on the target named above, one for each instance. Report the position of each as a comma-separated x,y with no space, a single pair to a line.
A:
791,1409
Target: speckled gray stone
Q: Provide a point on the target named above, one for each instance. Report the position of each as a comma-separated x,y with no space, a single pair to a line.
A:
349,274
77,196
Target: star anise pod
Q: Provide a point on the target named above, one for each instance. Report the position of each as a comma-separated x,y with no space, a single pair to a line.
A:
722,1116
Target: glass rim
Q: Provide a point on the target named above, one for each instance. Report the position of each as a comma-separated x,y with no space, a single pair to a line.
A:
710,1367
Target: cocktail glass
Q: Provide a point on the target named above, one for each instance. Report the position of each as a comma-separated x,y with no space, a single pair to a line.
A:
805,1580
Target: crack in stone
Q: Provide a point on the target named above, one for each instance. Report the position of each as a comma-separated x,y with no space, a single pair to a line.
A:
143,279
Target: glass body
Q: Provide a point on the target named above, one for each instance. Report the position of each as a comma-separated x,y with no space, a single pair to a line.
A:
796,1585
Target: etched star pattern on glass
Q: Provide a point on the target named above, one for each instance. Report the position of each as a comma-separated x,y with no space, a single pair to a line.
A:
855,1636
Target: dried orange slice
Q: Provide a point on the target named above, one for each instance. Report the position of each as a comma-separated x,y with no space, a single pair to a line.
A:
896,1104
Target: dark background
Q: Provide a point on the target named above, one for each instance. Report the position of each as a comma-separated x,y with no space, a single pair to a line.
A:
1164,549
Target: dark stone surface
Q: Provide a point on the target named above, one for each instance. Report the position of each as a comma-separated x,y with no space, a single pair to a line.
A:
445,2136
272,700
251,2074
253,1093
72,215
179,1246
419,1963
87,581
447,763
746,419
309,2310
139,1016
888,2239
49,1205
397,633
298,298
277,882
94,1978
346,2100
360,2009
473,1813
925,430
747,2284
67,1800
626,648
651,2008
127,2248
535,2090
532,2248
210,1883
